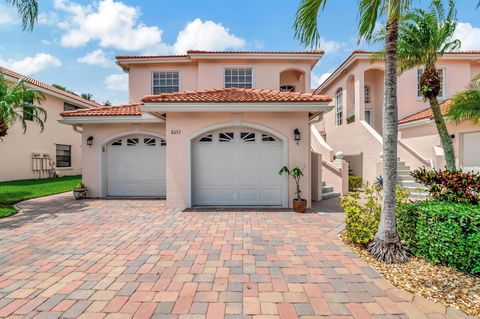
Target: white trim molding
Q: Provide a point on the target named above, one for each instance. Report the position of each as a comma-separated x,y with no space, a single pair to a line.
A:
145,118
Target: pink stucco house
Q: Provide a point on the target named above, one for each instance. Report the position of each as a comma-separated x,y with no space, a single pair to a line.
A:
207,129
354,126
33,154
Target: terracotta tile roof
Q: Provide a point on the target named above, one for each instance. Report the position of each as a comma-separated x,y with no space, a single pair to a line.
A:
456,52
47,87
118,110
189,52
235,96
426,114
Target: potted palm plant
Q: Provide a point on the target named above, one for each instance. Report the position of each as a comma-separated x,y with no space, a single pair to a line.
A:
299,204
80,191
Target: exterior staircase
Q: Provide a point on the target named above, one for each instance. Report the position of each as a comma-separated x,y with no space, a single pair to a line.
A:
407,182
327,192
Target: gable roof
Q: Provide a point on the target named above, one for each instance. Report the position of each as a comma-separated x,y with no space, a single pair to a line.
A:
234,95
50,89
118,110
426,113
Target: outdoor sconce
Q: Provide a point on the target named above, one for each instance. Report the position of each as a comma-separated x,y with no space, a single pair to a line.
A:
452,136
90,140
296,133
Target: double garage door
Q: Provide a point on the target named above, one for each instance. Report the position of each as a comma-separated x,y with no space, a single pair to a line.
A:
230,167
471,152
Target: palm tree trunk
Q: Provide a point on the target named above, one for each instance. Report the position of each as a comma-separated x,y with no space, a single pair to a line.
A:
443,132
386,245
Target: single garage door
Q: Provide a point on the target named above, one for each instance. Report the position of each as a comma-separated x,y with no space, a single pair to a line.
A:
237,167
136,167
471,152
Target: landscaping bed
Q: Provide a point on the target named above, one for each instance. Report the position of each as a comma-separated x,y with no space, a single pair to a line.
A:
13,192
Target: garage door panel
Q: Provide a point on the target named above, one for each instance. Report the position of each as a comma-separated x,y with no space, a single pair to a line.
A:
237,172
471,152
136,169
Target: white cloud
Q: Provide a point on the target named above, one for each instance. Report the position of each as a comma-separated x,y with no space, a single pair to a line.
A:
48,18
206,35
117,82
330,46
97,57
113,24
31,65
317,80
7,15
469,35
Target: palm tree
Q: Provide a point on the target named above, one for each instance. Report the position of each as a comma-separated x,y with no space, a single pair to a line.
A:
28,11
425,36
17,104
386,245
466,104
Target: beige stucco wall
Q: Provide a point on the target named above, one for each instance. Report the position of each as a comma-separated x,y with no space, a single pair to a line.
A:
209,74
16,148
178,192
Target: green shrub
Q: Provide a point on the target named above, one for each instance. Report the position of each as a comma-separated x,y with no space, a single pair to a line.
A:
450,186
442,233
354,183
362,212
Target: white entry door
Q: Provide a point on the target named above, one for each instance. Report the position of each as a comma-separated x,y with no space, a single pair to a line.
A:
237,167
471,152
136,167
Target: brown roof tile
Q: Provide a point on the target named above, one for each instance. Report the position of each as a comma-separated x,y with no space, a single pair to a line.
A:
235,96
426,114
47,87
118,110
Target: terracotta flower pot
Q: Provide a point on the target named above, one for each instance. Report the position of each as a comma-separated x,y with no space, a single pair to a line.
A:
299,206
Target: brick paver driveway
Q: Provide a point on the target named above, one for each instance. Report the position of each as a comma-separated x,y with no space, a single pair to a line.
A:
126,258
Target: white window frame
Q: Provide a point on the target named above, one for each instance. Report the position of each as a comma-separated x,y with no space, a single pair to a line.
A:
239,67
56,155
444,83
338,112
165,70
372,116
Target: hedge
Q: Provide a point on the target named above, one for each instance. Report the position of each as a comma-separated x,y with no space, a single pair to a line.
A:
444,233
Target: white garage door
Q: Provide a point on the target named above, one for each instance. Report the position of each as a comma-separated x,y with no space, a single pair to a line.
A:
237,167
471,152
136,167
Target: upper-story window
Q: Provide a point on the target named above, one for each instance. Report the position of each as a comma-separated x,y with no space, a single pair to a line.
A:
441,75
69,107
339,106
367,94
287,88
165,82
238,78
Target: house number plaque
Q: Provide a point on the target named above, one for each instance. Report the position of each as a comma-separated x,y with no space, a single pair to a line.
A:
176,132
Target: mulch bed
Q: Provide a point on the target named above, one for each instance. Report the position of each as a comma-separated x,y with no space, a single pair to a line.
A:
441,284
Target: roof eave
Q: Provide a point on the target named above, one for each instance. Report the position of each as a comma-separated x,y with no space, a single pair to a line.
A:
77,120
238,107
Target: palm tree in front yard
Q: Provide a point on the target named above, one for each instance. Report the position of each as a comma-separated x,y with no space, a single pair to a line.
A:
27,10
466,104
17,104
386,245
424,37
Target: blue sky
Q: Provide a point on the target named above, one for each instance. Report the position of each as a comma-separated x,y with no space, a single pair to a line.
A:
75,41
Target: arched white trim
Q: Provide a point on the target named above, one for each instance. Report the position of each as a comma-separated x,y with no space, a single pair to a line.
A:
293,68
101,151
237,123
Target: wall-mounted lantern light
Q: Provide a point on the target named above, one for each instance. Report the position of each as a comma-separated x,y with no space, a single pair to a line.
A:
452,136
90,141
297,134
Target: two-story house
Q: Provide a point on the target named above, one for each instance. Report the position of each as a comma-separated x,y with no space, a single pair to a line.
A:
35,154
354,126
205,129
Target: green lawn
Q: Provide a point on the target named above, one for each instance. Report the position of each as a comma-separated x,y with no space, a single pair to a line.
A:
16,191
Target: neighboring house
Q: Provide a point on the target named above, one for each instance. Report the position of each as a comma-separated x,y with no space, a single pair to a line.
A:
35,154
354,127
205,129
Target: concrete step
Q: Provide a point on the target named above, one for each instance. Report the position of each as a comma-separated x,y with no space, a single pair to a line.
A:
323,183
403,172
330,195
418,195
410,183
327,189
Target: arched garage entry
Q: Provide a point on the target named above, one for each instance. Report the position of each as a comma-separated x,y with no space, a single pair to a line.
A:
238,165
135,166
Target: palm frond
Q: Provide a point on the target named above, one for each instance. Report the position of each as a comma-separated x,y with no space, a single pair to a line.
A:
305,24
27,10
